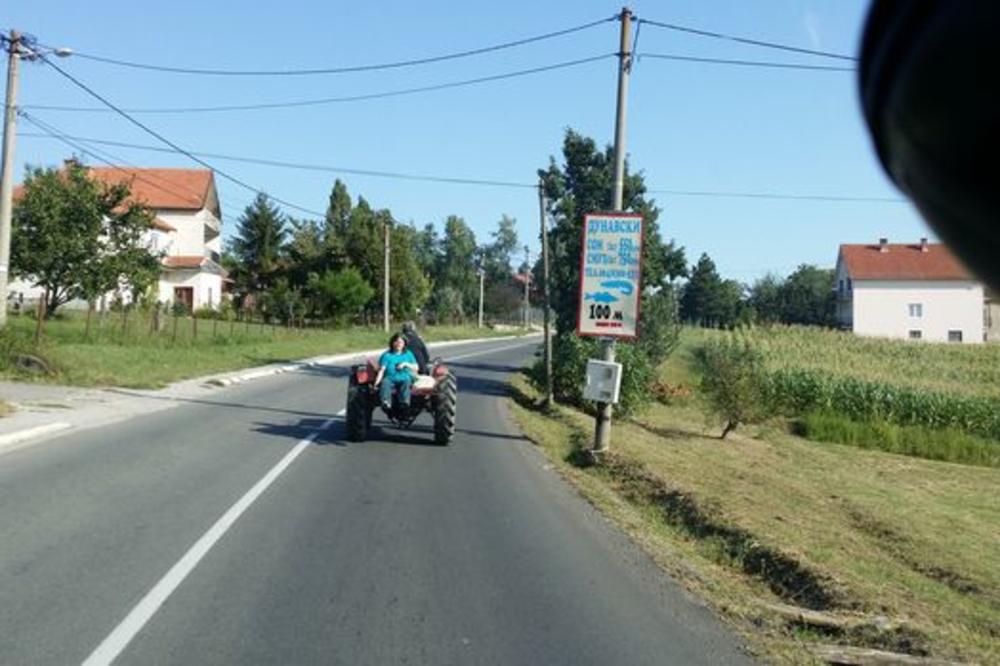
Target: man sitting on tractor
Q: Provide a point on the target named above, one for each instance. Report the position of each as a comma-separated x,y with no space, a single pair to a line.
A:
416,345
397,367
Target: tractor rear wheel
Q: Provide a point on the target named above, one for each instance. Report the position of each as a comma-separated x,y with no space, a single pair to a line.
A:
445,404
358,413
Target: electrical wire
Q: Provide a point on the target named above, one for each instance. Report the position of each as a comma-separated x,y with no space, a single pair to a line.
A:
746,63
83,146
323,168
746,40
776,195
170,143
101,156
330,100
481,181
348,69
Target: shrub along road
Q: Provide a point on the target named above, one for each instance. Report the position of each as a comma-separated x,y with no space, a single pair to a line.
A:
386,551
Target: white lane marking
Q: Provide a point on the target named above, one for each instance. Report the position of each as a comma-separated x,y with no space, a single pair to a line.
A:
488,351
118,640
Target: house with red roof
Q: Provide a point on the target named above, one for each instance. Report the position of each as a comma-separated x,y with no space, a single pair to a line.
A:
187,230
914,291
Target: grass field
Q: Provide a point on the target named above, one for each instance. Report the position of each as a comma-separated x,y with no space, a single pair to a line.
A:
897,552
142,359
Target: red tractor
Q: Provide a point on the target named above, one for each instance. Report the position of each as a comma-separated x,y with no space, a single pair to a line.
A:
436,392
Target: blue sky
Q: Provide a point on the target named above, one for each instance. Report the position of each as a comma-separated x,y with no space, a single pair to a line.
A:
692,127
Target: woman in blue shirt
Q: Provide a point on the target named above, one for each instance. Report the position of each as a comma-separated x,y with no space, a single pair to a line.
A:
397,367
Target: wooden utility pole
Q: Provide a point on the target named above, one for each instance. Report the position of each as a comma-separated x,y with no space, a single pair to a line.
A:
547,349
602,427
7,168
527,280
385,282
482,275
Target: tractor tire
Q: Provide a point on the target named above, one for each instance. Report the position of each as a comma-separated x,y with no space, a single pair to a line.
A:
358,413
445,405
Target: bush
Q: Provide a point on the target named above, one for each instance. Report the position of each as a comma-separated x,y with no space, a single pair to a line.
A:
658,336
16,344
205,312
340,295
732,380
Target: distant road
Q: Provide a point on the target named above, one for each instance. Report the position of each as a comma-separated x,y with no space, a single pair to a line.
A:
227,531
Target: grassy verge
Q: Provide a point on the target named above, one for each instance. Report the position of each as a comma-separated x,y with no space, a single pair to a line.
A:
766,520
143,360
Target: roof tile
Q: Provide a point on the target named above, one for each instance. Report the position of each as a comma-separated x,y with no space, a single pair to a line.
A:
902,261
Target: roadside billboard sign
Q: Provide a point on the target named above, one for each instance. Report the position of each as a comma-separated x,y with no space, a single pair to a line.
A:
610,275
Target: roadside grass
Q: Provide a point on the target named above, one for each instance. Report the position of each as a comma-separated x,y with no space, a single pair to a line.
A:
766,517
140,359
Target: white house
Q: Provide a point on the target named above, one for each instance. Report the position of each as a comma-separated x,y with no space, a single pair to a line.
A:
187,230
916,291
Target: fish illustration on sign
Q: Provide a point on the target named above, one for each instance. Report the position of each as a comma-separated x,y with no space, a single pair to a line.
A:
623,286
600,297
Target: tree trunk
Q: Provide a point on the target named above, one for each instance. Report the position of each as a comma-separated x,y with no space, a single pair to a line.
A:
90,314
730,426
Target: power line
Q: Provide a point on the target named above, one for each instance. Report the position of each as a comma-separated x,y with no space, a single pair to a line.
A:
170,143
776,195
747,40
323,168
745,63
55,133
330,100
347,69
480,181
112,160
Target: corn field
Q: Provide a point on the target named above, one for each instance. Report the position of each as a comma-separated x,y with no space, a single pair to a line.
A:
931,385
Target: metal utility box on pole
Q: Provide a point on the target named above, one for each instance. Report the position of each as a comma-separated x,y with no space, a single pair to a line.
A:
7,169
602,426
547,349
385,280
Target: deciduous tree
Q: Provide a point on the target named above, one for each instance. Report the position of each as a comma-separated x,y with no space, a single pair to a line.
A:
78,238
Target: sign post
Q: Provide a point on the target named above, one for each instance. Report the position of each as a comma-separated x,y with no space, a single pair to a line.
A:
610,275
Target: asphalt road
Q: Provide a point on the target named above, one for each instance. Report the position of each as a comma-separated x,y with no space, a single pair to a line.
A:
227,531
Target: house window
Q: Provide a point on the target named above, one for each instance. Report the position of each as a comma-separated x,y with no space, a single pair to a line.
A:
916,309
850,284
840,287
916,335
954,336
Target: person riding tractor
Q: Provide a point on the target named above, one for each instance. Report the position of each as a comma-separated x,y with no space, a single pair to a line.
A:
416,345
404,386
397,370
